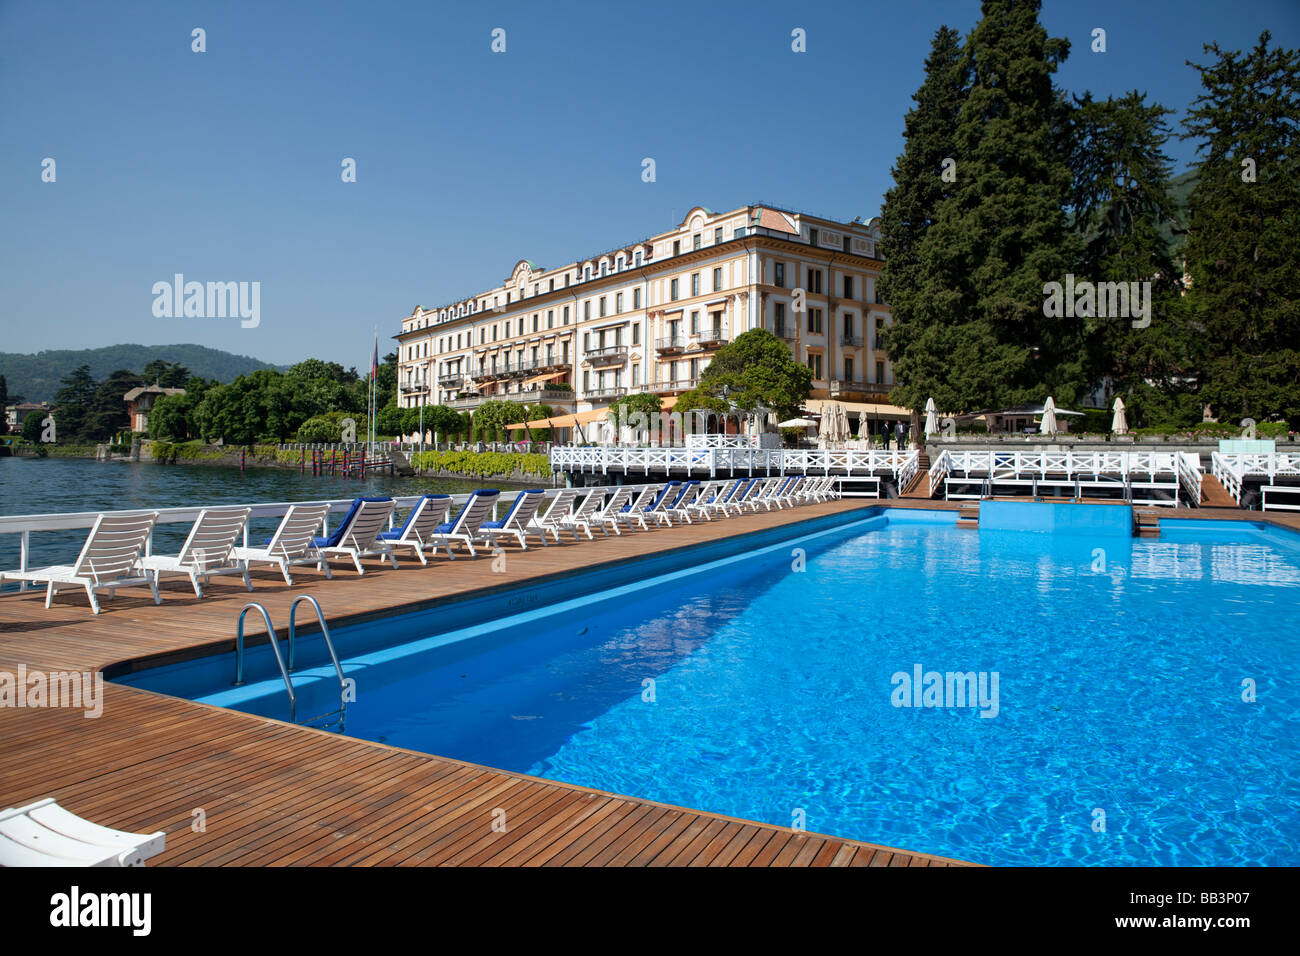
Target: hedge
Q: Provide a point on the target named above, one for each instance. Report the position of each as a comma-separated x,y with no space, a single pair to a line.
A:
481,463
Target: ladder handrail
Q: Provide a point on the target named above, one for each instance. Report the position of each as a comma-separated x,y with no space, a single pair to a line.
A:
324,629
275,647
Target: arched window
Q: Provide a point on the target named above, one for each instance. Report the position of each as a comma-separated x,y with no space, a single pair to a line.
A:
636,258
604,267
620,263
586,272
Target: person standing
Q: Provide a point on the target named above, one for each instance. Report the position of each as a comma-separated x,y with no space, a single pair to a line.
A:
899,431
884,432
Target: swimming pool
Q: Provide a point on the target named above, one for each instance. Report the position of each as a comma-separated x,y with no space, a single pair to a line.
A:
770,685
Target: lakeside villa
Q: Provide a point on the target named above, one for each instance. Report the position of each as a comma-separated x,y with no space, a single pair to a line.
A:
649,316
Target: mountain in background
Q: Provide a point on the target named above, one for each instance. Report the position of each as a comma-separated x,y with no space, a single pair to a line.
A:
36,377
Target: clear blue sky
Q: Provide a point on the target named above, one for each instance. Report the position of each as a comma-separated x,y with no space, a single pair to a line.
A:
225,165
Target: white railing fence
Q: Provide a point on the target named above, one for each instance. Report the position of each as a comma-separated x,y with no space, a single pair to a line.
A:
1233,468
775,461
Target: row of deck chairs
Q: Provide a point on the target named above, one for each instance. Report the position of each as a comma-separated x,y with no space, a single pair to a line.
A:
114,555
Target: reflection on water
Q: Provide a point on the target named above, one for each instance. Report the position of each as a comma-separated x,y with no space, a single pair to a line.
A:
60,485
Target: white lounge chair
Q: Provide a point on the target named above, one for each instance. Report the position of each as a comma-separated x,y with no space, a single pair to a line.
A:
661,501
633,513
208,549
559,509
45,834
292,543
677,509
717,503
465,526
358,536
429,512
587,514
708,492
517,519
110,559
613,513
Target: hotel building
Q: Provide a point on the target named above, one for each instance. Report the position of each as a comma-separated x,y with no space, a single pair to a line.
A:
648,317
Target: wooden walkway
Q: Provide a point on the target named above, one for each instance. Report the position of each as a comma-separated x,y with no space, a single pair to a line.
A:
236,789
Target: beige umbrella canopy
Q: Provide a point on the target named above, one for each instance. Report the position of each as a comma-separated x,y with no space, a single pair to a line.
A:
1119,424
1049,417
931,418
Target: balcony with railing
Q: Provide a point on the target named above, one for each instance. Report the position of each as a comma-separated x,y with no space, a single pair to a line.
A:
609,355
673,385
450,381
672,343
852,341
873,391
464,402
711,338
415,388
602,393
788,332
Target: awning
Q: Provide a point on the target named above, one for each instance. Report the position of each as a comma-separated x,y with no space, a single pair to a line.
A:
563,421
862,408
544,378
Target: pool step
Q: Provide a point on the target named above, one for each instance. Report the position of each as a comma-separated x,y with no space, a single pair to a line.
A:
1146,523
969,516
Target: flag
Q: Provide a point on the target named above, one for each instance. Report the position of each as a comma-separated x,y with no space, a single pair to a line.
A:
374,360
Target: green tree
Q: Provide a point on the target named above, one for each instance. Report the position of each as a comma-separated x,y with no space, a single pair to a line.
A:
755,369
923,180
1243,246
105,413
72,402
1123,213
32,426
978,336
166,374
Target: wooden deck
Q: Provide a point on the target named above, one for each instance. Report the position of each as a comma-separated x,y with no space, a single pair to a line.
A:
270,793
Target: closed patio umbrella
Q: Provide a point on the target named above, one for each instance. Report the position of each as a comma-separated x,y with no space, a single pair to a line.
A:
796,423
1119,424
1049,417
931,418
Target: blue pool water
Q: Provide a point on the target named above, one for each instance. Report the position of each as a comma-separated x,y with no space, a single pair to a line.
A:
750,688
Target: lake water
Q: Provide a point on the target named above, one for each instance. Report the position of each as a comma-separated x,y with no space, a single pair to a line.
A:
44,485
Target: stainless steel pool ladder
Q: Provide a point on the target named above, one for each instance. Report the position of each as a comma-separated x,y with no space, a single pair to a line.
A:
331,718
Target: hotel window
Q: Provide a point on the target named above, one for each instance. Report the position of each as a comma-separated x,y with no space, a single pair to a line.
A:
566,315
815,280
779,323
521,325
566,280
586,273
536,316
586,309
636,333
586,341
552,288
812,236
620,264
695,369
604,268
495,329
717,279
636,258
814,320
695,283
618,303
636,375
695,323
482,333
880,372
815,363
778,279
848,287
848,325
845,245
550,318
672,290
636,299
695,241
717,235
677,247
848,368
507,298
602,306
586,380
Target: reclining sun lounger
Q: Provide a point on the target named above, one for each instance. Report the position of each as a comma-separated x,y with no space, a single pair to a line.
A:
465,526
717,503
208,550
559,509
661,501
633,513
110,559
615,510
587,514
517,519
429,512
677,509
292,542
45,834
357,536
